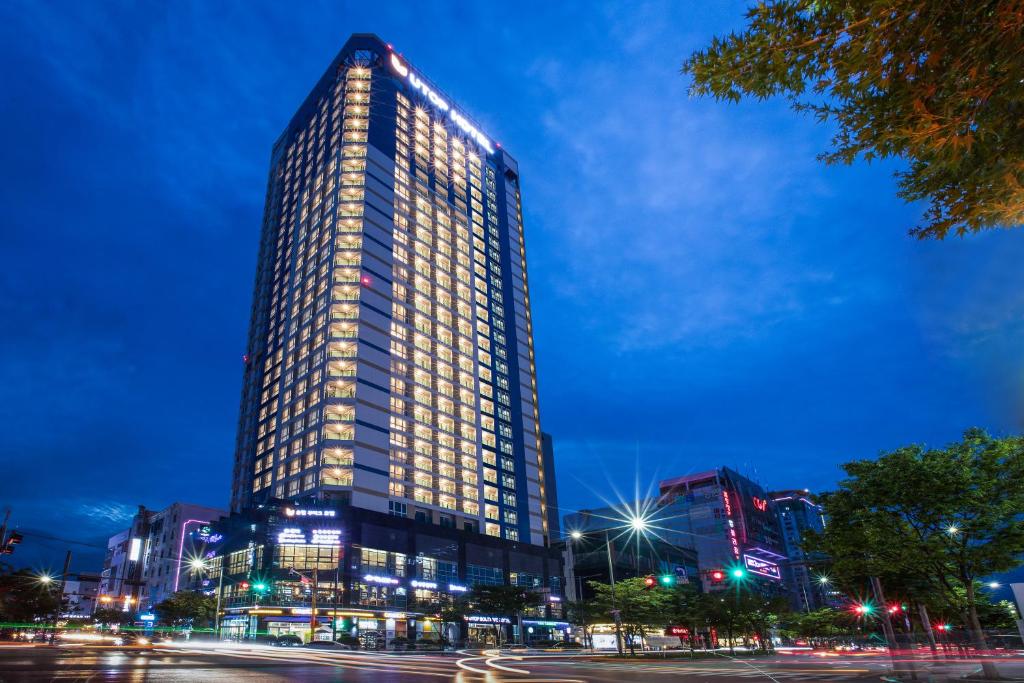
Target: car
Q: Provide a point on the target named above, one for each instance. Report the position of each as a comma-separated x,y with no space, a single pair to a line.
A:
567,645
327,645
287,640
134,639
518,646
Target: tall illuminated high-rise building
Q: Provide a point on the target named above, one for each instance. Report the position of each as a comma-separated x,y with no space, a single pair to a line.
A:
390,364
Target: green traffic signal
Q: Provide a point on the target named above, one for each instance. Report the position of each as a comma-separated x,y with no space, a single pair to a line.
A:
667,580
738,573
259,587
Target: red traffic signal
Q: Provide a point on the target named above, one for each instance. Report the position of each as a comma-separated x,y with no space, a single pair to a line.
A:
717,576
244,585
650,581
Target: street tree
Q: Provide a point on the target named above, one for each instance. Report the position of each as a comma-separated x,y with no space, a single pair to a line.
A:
503,601
453,613
933,82
586,614
946,516
639,607
186,608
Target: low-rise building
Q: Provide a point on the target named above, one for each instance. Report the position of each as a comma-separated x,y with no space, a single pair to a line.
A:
150,560
374,576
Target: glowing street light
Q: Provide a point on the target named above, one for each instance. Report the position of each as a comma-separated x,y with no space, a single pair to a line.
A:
45,579
197,564
952,530
994,584
638,524
576,534
824,580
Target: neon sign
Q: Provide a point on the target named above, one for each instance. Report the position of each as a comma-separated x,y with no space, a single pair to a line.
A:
755,565
318,537
375,578
439,102
733,540
760,504
292,512
429,585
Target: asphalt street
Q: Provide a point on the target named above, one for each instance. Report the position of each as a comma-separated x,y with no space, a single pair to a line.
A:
255,663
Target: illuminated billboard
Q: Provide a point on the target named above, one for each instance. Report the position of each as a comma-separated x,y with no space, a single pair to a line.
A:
756,565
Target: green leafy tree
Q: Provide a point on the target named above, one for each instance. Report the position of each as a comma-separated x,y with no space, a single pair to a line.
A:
822,624
187,608
453,613
25,599
639,607
946,517
586,614
935,82
502,601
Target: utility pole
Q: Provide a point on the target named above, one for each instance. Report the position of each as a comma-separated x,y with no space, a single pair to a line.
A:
220,590
615,611
890,635
312,606
60,596
337,590
3,528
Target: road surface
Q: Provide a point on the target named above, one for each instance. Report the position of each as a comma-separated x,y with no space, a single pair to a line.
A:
253,664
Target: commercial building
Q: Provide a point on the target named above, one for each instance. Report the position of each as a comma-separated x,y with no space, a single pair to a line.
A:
79,593
149,561
375,576
598,544
798,514
730,521
390,362
390,385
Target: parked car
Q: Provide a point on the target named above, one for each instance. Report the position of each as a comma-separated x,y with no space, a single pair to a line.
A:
287,640
567,645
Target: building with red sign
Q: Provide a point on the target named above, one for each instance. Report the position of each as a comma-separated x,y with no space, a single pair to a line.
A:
730,521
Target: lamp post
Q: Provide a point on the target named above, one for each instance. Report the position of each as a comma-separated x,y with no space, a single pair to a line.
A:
615,612
198,565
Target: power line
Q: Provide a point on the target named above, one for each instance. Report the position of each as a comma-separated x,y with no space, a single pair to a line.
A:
29,533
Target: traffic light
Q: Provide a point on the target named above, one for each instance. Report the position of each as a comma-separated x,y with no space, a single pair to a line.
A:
14,539
738,573
649,582
667,580
260,587
244,585
863,608
717,576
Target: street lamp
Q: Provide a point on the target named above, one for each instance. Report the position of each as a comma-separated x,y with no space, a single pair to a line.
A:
577,535
44,579
197,565
824,580
994,584
638,523
952,530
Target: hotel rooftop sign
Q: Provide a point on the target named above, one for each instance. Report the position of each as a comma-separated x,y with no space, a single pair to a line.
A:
417,83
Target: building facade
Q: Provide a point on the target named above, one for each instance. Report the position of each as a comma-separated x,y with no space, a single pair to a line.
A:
376,577
80,593
730,521
390,364
798,514
149,561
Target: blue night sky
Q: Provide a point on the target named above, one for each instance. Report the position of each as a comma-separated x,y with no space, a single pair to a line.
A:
704,291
